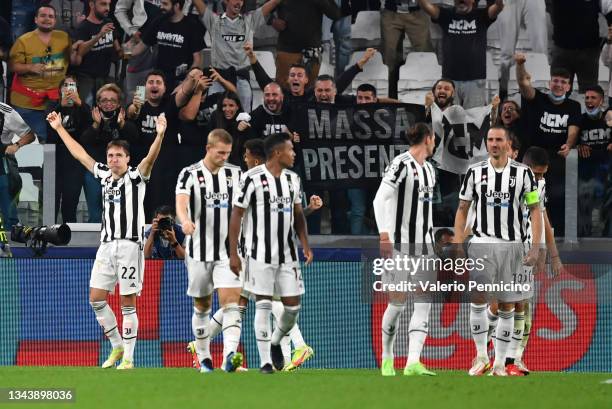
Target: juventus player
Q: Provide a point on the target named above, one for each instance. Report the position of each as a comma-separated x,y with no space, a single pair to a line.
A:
271,198
120,256
403,210
499,186
204,195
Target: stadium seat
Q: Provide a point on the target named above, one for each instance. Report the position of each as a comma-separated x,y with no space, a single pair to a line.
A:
366,30
326,68
419,71
604,76
266,59
375,72
30,156
29,191
413,96
492,75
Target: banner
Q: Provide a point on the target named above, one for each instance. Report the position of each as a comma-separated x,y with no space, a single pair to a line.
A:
350,146
462,136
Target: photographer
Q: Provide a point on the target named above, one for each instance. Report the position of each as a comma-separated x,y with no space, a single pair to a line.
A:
164,237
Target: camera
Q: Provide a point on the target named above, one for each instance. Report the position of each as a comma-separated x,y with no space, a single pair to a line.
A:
165,224
57,234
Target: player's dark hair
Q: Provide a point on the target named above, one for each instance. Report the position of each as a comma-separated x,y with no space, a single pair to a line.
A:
158,73
560,72
256,147
441,232
273,141
443,80
164,209
72,76
367,88
417,133
595,88
517,108
536,156
501,128
119,143
220,120
302,66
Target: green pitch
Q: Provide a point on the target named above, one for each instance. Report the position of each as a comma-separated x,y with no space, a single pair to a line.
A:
185,389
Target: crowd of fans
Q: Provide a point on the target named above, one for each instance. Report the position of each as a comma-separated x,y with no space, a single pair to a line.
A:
127,61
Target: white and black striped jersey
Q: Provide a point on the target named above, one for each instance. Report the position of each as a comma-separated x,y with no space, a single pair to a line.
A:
11,124
210,207
268,228
414,187
528,224
499,198
122,204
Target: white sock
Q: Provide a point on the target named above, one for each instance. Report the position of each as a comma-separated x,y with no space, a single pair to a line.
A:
107,320
263,328
417,331
277,310
232,324
286,348
200,320
520,349
517,336
216,324
505,325
479,327
390,323
130,332
492,324
296,337
286,323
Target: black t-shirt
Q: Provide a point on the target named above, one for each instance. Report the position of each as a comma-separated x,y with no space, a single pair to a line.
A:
464,44
176,44
595,132
97,61
95,140
147,117
194,132
75,120
548,123
264,123
5,39
575,23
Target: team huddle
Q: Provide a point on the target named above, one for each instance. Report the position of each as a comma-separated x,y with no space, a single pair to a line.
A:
242,231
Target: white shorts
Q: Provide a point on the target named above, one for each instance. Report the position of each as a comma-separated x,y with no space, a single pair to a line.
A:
416,271
118,260
283,280
205,276
503,263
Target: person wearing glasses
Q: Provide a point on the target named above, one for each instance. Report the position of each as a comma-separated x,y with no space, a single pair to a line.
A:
39,60
108,124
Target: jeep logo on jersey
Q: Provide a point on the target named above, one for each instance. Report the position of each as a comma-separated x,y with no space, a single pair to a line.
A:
216,196
462,27
426,189
280,200
233,38
498,195
564,317
554,120
113,191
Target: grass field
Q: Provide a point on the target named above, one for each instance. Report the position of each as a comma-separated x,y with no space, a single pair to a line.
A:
185,388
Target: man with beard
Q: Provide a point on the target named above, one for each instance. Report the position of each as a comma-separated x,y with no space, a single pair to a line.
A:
296,87
271,117
39,60
179,39
464,46
594,157
553,123
99,46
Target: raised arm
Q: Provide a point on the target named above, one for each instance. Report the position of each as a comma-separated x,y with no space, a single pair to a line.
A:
75,149
188,87
345,79
200,6
523,78
495,8
269,6
148,161
431,9
190,111
261,76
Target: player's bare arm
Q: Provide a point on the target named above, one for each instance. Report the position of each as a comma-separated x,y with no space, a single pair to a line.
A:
301,230
234,233
182,203
147,163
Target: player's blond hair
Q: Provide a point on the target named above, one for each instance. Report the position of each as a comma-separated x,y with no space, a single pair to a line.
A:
219,135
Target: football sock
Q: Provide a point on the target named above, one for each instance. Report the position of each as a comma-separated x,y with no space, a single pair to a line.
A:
199,325
492,323
521,346
286,323
417,331
517,336
505,325
107,320
390,323
296,337
480,327
130,332
232,324
216,323
263,328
